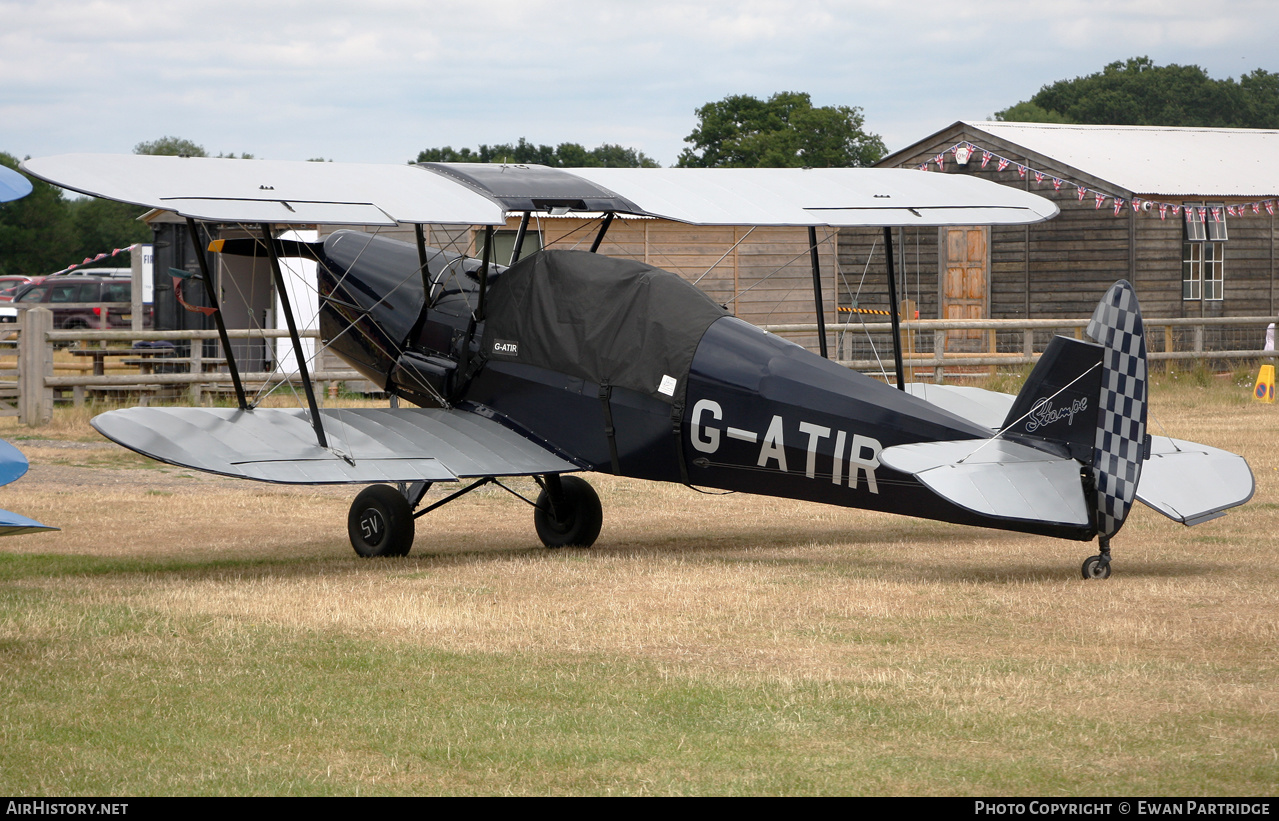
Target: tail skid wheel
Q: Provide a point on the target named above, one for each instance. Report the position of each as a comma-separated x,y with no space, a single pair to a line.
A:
380,522
1096,567
575,520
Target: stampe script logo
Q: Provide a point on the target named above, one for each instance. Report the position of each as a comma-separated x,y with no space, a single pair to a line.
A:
1044,414
505,348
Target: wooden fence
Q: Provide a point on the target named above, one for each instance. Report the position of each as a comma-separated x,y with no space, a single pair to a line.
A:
28,388
1017,342
37,384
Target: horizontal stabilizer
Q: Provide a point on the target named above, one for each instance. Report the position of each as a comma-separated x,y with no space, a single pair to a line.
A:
1192,483
978,405
997,478
365,444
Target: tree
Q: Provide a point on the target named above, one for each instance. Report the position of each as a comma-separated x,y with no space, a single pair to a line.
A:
1138,92
565,155
171,147
100,225
35,231
785,130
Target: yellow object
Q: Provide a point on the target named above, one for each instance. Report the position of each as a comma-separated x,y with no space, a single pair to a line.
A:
1264,391
216,246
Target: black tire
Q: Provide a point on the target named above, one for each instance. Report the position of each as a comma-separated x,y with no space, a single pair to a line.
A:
380,522
1095,568
578,524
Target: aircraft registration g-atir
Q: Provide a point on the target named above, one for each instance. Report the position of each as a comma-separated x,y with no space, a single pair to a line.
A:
569,361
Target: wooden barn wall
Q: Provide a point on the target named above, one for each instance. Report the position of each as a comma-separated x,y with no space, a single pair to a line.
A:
1061,267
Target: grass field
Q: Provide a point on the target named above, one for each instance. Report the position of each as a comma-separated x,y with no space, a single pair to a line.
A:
186,634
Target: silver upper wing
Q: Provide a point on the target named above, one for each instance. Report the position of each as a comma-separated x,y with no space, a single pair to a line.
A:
280,192
228,190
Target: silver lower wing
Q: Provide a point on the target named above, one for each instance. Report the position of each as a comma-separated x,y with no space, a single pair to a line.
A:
365,444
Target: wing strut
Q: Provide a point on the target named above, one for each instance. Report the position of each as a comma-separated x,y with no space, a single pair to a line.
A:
217,314
484,272
817,290
608,220
293,335
519,239
420,236
892,309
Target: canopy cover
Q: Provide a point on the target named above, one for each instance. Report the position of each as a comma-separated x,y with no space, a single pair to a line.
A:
604,320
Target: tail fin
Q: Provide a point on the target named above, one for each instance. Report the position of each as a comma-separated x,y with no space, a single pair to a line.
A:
1090,400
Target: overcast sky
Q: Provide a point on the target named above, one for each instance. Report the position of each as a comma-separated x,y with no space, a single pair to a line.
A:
379,80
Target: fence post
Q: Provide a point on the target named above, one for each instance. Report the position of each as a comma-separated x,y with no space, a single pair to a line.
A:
197,366
939,352
35,362
907,312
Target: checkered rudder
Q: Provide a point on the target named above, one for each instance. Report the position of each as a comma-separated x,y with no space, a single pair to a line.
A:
1121,420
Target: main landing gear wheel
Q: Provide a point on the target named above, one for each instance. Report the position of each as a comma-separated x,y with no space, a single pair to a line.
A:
1096,567
575,516
380,522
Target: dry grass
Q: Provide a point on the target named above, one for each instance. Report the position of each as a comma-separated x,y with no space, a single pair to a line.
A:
1003,657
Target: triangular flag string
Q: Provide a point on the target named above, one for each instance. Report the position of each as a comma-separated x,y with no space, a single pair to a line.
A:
103,255
1100,197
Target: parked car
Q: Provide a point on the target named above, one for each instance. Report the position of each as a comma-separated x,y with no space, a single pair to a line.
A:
11,283
54,292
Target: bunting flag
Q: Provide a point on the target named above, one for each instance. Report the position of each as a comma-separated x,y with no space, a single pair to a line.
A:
1238,210
1190,215
103,255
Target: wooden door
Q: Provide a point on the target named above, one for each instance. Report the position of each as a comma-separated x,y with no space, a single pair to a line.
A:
964,292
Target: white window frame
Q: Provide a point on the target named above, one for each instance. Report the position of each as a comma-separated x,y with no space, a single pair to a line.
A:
1204,252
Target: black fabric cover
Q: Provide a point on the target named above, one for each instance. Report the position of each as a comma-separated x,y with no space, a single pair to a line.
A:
600,319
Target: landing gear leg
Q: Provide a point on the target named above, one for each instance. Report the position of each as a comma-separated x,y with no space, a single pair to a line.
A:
1098,567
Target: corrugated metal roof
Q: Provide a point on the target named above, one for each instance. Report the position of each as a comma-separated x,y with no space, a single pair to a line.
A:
1153,160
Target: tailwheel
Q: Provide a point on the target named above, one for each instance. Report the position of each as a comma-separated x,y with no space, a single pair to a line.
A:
380,522
568,512
1098,567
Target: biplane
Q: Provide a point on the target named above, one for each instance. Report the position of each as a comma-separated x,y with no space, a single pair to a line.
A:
566,361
